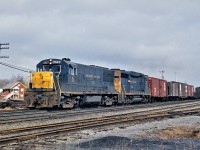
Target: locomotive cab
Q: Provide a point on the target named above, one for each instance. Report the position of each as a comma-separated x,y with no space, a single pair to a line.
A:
46,76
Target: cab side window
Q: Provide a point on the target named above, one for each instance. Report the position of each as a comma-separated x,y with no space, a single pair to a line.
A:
72,71
75,71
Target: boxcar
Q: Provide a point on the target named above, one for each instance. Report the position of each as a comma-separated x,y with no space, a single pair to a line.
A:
190,92
180,91
197,93
158,89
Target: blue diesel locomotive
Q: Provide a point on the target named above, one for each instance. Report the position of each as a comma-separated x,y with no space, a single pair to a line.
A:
62,83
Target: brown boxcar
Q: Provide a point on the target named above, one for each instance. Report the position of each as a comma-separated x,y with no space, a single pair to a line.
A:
157,88
163,88
190,91
178,90
183,93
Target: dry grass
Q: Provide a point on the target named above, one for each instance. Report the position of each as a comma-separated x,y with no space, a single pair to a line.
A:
172,133
191,132
7,108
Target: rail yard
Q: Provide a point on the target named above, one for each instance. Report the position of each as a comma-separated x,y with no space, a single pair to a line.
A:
65,98
99,75
22,127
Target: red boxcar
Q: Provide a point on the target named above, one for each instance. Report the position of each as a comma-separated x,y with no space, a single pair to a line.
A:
190,91
158,88
183,90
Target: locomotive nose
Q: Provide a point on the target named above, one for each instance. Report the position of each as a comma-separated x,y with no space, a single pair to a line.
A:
42,80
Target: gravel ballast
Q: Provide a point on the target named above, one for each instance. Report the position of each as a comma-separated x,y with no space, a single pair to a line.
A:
127,136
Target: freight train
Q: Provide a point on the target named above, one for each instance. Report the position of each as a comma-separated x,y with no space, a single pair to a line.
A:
62,83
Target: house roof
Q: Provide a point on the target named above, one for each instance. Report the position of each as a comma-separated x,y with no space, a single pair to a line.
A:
11,85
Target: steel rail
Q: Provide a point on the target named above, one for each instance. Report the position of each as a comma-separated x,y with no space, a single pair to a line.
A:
63,114
135,114
99,122
30,111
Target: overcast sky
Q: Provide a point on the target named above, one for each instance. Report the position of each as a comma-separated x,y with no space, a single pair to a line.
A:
140,35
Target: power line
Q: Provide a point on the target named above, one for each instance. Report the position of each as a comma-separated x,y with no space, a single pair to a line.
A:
9,65
16,67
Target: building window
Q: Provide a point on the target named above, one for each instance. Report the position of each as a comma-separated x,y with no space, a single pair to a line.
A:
22,90
15,90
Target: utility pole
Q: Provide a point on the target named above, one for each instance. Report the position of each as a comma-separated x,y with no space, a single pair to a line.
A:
3,44
162,72
175,76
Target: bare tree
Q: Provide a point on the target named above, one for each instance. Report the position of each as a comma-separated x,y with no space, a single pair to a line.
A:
3,82
18,78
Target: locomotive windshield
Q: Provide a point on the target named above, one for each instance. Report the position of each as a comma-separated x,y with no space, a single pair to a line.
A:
53,68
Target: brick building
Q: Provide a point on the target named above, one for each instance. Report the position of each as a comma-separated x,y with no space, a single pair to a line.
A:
13,91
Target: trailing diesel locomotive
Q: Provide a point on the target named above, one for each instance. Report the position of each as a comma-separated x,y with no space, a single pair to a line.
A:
62,83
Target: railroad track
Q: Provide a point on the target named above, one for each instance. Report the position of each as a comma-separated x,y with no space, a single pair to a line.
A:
54,115
7,113
4,112
56,128
44,115
24,112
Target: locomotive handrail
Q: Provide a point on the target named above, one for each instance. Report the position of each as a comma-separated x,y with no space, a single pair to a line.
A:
57,77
